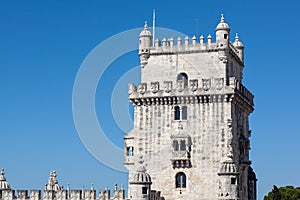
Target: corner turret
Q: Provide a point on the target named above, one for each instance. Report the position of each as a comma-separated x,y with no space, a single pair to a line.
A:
145,42
239,46
4,185
228,180
222,33
141,184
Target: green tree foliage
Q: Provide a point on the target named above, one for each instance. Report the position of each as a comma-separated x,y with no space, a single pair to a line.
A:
283,193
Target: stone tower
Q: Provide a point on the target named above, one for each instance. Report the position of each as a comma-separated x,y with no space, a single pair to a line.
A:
191,118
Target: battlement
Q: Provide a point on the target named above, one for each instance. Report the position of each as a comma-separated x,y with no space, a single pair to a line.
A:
54,191
69,195
188,45
165,93
62,194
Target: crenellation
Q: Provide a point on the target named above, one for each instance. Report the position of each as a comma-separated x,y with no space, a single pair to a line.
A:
118,194
179,41
61,195
169,47
8,194
35,194
22,194
209,40
171,42
49,194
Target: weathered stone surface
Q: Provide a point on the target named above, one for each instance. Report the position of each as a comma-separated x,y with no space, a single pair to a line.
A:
196,122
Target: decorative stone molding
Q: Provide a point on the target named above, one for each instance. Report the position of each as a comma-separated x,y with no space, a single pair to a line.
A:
131,88
206,84
168,86
142,87
180,85
219,83
194,84
154,87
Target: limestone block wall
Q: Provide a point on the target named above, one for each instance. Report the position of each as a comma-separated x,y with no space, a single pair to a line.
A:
209,110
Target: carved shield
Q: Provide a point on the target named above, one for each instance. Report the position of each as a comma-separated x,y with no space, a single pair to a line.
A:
131,88
142,88
194,84
219,83
154,87
206,84
180,86
168,86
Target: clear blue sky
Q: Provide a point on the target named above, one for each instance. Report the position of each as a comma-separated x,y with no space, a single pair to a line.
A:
43,43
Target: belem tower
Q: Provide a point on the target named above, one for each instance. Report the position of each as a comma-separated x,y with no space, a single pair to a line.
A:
191,133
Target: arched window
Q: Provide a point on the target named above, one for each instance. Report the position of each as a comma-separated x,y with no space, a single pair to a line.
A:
184,113
177,113
184,78
130,151
180,180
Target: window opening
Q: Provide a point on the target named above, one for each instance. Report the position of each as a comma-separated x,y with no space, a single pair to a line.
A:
176,146
177,113
184,113
130,151
182,145
180,180
144,190
184,78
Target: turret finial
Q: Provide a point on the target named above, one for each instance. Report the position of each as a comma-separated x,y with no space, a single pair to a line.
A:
236,37
146,26
2,177
222,18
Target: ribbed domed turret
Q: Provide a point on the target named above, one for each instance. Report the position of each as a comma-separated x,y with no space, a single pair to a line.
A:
222,34
228,167
141,176
145,31
140,185
239,46
4,185
223,25
145,43
237,43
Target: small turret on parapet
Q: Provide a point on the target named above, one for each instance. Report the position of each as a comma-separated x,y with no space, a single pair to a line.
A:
222,33
228,183
145,43
239,46
141,184
4,185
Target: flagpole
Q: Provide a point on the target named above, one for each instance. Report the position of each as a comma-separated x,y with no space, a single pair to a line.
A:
153,28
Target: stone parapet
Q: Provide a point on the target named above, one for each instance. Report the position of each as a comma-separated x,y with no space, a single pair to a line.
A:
189,45
62,195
